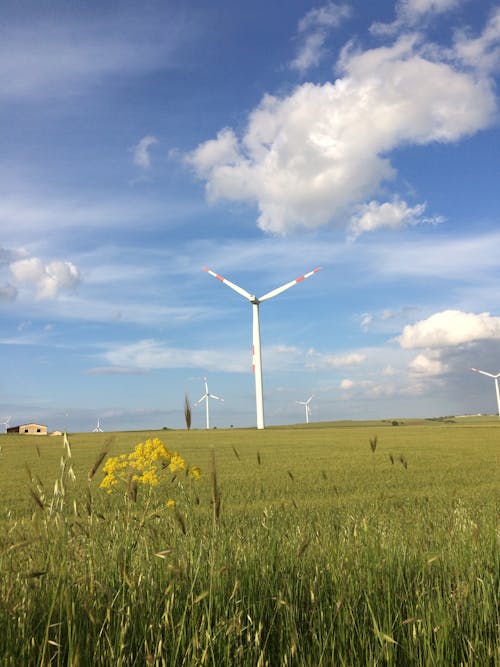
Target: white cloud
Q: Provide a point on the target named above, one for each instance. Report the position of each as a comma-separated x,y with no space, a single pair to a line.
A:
483,52
427,364
410,13
346,384
416,8
117,370
285,349
48,279
141,151
150,354
449,328
467,259
392,215
329,15
28,212
310,158
310,52
46,58
366,321
319,360
313,30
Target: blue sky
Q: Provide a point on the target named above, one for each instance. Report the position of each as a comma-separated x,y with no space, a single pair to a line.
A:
143,141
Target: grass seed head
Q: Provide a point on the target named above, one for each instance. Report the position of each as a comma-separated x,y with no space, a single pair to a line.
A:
187,411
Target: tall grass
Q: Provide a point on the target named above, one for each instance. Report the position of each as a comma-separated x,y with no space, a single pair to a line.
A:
294,551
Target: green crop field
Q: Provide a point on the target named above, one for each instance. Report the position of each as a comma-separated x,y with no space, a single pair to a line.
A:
349,543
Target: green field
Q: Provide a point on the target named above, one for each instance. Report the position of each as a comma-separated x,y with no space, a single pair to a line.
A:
349,543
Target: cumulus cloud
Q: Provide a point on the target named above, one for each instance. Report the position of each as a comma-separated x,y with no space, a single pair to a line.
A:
392,215
48,279
428,364
313,31
142,157
312,157
450,328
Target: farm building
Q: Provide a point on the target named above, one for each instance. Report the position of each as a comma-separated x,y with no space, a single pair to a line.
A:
29,429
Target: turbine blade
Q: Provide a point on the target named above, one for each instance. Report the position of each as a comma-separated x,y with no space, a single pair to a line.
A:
490,375
278,290
217,398
236,288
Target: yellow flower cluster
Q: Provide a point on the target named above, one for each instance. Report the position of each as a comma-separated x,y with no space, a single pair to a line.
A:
195,472
144,465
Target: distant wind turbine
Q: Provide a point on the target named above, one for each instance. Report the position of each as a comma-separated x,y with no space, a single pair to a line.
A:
205,398
308,407
495,377
98,428
5,423
256,351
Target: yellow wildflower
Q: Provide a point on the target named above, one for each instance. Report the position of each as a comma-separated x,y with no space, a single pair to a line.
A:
195,472
176,463
144,465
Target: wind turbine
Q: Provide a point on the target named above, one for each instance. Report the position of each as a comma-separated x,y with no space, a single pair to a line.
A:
308,408
98,428
256,351
495,377
5,422
205,398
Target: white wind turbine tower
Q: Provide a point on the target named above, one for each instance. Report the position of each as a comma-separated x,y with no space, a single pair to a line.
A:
5,423
308,407
98,428
205,398
256,351
495,377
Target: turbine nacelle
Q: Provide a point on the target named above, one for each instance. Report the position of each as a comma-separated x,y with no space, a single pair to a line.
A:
307,406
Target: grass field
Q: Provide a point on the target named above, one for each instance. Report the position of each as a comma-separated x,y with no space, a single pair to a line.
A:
333,544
